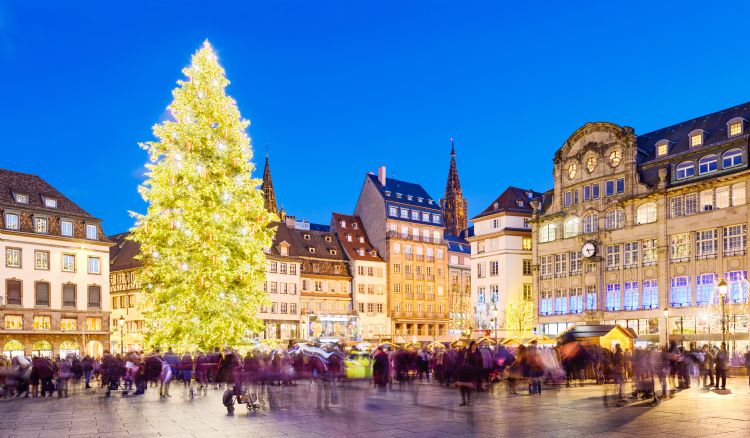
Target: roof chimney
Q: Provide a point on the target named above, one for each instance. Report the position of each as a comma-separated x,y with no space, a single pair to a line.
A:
290,222
381,175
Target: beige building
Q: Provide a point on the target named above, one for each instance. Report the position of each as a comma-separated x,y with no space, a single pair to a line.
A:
368,278
501,259
639,230
405,225
283,285
460,302
55,293
127,320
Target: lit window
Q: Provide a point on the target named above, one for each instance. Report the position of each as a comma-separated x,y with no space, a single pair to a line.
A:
66,228
731,158
435,218
94,265
572,227
414,215
547,233
50,202
708,164
615,219
68,324
526,244
40,225
696,138
69,263
41,260
11,221
93,324
91,232
13,322
393,211
686,169
12,257
405,213
42,323
22,198
735,128
646,213
662,149
425,217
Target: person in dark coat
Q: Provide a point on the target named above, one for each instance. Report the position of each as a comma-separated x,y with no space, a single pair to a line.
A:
722,363
45,371
88,369
380,368
468,374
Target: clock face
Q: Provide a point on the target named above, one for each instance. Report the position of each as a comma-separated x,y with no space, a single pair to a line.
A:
572,170
591,164
588,250
615,157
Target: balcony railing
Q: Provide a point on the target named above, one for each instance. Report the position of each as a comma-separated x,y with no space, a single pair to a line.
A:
430,258
420,257
409,256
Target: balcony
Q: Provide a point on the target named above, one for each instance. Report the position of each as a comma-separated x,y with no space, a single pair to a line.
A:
420,257
419,276
430,258
737,252
409,256
430,277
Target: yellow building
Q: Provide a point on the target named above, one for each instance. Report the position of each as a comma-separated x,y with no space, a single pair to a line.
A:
126,320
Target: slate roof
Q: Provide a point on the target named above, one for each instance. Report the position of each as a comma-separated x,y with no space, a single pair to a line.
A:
457,244
356,234
395,186
508,202
122,253
35,187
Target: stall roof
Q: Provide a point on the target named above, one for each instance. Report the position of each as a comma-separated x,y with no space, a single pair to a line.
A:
596,331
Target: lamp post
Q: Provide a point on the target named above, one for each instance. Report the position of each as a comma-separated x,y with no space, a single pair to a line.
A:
121,323
666,327
494,315
722,296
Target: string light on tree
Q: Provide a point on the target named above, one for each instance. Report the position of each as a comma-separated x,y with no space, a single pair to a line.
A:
199,186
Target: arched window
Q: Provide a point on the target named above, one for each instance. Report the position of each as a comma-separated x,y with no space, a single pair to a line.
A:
590,223
572,227
708,164
615,219
686,169
547,233
731,158
646,213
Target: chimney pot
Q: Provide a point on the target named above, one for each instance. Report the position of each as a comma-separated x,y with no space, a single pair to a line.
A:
381,175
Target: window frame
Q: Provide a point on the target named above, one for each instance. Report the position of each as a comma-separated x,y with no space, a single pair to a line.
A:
36,294
684,170
736,152
708,161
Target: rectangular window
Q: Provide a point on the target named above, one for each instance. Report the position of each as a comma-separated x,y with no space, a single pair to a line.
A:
735,237
292,269
568,199
436,219
705,244
68,324
40,225
738,194
94,297
649,252
631,295
680,295
561,302
526,267
527,292
631,254
575,201
41,294
481,270
526,244
545,303
586,193
737,286
575,262
609,188
12,257
595,191
392,211
576,300
706,200
414,215
613,256
722,197
66,228
691,204
13,322
650,295
93,324
41,260
675,206
705,285
91,232
620,185
94,267
282,268
613,296
561,264
545,266
494,268
679,247
69,263
591,301
11,221
42,323
13,292
405,213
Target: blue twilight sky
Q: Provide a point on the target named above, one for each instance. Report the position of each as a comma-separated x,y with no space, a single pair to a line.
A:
339,88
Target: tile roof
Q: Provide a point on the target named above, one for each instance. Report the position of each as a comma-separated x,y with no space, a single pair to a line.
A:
514,200
406,189
353,246
316,239
282,234
35,188
122,253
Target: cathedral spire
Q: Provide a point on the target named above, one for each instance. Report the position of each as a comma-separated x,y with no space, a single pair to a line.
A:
269,196
454,205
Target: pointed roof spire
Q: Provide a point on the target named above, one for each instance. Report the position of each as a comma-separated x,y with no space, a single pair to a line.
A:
453,150
453,203
269,196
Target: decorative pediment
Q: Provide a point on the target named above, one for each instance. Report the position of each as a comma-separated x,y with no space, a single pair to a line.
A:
597,137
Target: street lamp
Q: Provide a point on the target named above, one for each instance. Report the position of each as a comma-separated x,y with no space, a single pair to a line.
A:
494,315
666,327
121,323
722,295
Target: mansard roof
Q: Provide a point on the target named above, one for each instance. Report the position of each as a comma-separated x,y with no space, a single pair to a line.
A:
393,187
457,244
512,200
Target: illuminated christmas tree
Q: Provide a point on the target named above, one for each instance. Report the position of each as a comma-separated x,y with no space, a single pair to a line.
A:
203,237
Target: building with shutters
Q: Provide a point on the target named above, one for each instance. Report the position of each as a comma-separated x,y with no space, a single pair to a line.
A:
640,229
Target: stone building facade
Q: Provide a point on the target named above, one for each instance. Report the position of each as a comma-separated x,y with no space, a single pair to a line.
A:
405,225
55,290
460,303
640,229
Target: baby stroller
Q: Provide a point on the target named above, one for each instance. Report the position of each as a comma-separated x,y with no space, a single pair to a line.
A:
111,379
643,383
236,395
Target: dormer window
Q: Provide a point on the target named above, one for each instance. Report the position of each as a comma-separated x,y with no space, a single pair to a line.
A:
696,138
50,202
343,224
735,126
409,197
519,203
348,237
306,236
398,195
373,253
311,250
387,193
284,250
332,251
419,199
495,205
361,251
361,239
662,148
429,201
354,225
22,198
327,238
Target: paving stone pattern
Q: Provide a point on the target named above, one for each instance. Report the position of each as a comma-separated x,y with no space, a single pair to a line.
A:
356,410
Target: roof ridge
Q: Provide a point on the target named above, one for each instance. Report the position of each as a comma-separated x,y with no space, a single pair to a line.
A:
694,118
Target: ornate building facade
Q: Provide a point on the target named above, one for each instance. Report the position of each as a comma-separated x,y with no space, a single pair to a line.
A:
405,225
283,285
55,290
640,230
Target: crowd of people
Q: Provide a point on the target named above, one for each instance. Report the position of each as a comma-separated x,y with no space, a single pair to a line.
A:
654,372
